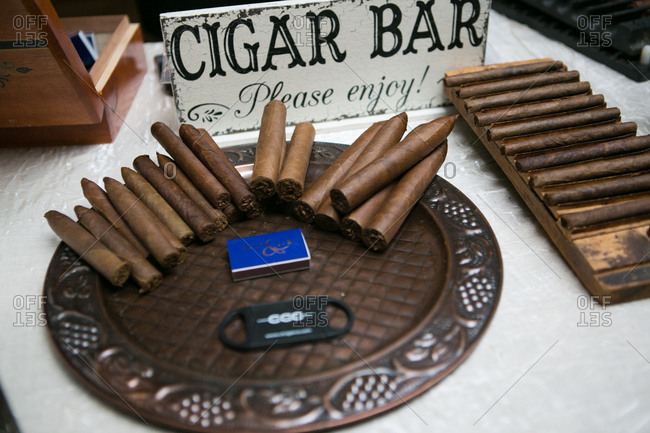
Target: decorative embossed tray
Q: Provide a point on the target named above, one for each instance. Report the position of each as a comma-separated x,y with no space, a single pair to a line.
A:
420,307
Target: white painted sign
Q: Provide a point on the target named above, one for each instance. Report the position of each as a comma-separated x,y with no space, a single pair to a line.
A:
325,60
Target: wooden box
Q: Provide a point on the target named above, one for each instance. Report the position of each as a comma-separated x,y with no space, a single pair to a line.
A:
48,97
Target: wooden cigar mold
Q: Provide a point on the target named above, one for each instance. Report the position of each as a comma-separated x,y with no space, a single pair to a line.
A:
581,171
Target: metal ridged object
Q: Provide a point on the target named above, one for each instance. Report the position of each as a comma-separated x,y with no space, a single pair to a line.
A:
420,308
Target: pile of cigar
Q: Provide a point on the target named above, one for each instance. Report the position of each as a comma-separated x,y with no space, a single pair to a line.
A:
196,192
159,210
370,189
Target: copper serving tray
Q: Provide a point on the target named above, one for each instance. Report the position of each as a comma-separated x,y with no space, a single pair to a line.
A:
420,307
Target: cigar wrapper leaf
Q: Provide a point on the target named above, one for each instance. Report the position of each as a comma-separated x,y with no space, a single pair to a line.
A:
101,203
209,153
271,145
154,201
398,159
166,249
213,190
192,214
143,273
403,196
305,207
184,183
92,251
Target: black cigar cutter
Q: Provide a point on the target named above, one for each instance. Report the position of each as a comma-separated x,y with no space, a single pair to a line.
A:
300,320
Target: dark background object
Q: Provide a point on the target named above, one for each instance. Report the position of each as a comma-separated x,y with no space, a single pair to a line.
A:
7,421
145,12
612,32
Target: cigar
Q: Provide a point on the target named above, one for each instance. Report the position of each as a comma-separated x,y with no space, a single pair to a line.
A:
233,214
352,225
220,166
269,153
326,217
100,202
214,191
386,137
591,169
516,83
556,139
606,213
550,123
406,193
524,111
398,159
292,177
95,253
496,72
551,91
167,250
154,201
144,273
169,168
214,146
583,152
190,212
305,207
595,189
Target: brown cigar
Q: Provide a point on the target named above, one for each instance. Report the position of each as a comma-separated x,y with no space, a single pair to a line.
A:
496,72
233,214
591,169
305,207
398,159
606,213
353,224
553,122
192,214
269,153
100,202
292,177
326,217
214,146
214,191
144,273
154,201
95,253
388,135
524,111
406,193
516,83
582,152
160,242
551,91
595,189
171,171
555,139
220,166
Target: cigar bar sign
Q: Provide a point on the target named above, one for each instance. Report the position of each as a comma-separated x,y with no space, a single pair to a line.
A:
325,60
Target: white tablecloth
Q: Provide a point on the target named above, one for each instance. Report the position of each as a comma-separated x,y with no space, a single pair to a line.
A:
534,370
